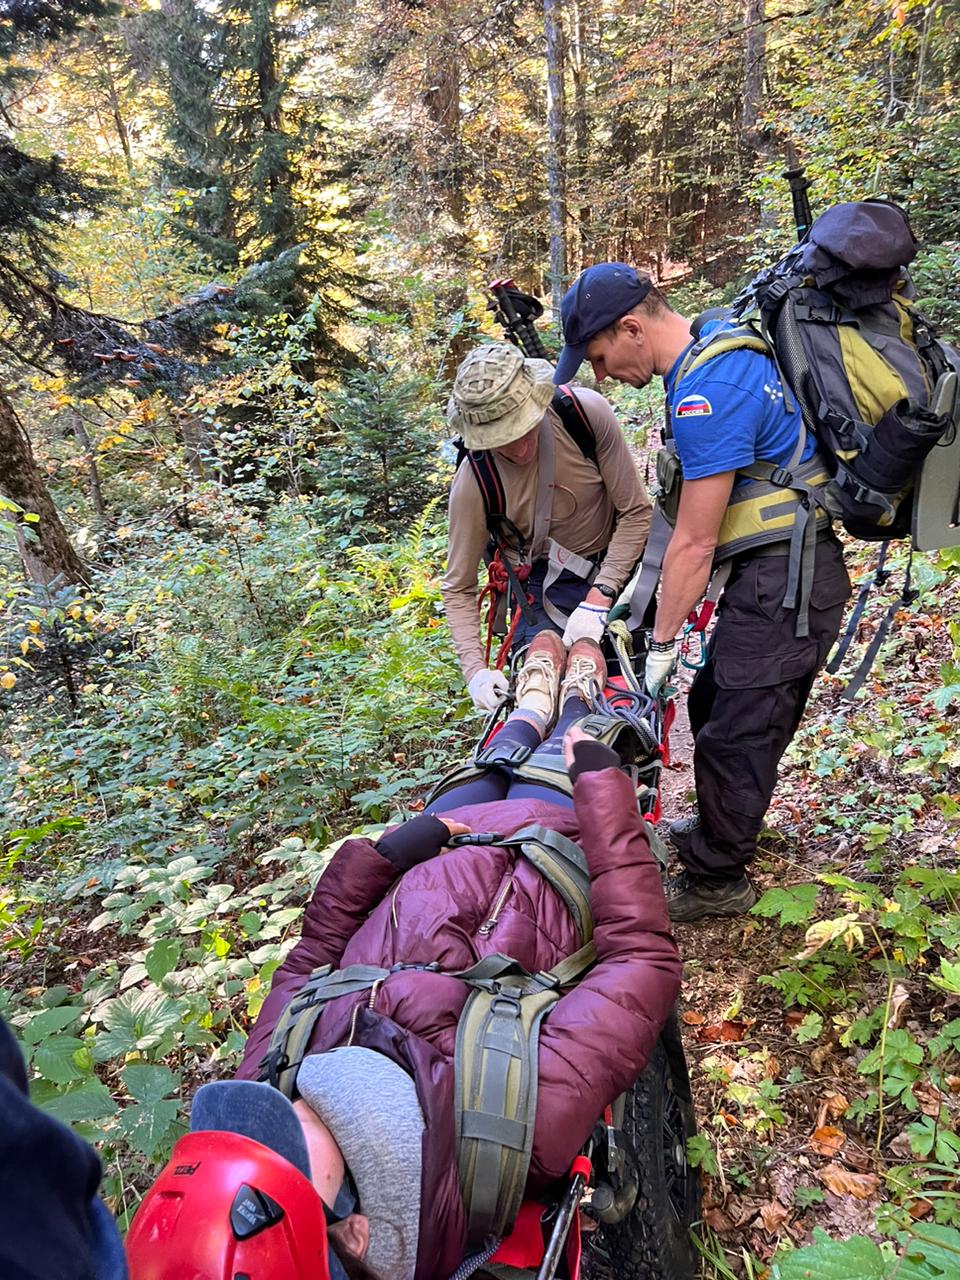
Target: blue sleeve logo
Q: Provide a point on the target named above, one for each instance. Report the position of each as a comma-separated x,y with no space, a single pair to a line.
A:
693,407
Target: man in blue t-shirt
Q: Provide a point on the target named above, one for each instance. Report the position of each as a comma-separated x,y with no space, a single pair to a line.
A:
746,702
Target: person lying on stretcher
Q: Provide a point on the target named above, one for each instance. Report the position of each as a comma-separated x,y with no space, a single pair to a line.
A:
373,1123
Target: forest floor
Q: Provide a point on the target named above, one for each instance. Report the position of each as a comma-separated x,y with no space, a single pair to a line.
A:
780,1108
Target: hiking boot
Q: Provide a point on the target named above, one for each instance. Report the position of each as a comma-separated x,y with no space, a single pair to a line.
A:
690,897
679,831
539,678
586,672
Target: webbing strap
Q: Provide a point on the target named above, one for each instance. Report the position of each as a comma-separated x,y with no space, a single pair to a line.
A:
907,597
880,575
803,535
642,587
496,1072
543,506
291,1036
563,865
558,560
576,423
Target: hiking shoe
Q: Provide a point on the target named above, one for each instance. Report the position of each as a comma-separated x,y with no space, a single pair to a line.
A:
679,831
586,671
690,897
539,679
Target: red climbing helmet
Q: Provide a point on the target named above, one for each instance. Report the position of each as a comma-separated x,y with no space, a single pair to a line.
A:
227,1205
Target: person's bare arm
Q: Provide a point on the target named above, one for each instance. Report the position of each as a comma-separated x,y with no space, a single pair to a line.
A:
689,557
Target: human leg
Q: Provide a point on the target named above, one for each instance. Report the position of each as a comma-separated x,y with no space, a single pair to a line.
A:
523,730
585,671
756,686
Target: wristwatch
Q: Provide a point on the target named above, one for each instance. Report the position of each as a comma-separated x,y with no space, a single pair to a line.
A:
605,591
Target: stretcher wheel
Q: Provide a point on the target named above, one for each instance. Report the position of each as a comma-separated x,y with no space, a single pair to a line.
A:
654,1241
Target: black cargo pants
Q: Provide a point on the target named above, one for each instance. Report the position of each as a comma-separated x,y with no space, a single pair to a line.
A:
746,703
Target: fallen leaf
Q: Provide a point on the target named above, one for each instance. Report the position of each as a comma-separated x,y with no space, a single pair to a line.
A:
844,1183
929,1097
717,1221
901,1146
773,1215
832,1106
819,1056
771,1068
919,1209
899,999
953,1084
726,1030
793,1020
827,1140
692,1019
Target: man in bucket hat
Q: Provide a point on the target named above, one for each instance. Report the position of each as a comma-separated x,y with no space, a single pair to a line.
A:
575,512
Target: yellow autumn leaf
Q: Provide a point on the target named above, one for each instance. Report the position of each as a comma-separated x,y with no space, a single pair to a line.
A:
7,680
130,616
24,646
846,928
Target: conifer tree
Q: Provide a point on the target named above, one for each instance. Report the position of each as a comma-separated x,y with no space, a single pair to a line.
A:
228,70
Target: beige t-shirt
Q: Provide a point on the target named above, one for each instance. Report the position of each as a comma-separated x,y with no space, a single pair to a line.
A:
593,511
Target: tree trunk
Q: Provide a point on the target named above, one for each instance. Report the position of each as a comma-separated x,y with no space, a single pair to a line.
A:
50,556
556,151
755,139
444,165
93,471
580,124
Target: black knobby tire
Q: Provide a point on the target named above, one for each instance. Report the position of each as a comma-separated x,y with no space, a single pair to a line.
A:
654,1241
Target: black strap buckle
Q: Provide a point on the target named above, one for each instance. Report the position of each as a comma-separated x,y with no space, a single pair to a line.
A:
493,755
783,478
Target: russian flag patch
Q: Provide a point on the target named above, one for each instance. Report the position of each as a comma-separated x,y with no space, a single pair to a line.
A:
693,407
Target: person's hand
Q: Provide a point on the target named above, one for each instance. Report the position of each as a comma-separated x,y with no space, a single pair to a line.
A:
488,689
661,664
583,754
570,740
585,623
455,828
418,840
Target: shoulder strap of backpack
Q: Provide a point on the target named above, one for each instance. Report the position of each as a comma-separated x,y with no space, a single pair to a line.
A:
717,343
291,1035
496,1068
575,422
564,867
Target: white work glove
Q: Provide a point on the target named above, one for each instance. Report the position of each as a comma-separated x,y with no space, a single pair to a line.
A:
487,689
586,622
661,664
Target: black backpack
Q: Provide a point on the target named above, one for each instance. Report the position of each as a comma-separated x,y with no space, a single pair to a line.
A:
875,385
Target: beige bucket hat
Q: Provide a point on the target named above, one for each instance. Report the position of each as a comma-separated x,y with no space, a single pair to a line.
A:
498,395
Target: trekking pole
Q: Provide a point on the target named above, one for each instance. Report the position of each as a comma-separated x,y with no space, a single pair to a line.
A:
799,184
580,1172
517,311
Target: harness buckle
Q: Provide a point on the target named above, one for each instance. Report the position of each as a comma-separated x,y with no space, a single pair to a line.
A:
782,478
491,756
504,1003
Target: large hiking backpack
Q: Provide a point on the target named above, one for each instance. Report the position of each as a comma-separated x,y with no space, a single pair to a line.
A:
873,382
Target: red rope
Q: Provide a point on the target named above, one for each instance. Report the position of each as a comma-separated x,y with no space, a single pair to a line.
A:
497,584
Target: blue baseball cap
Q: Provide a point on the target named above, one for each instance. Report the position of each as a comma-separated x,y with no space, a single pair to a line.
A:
598,297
